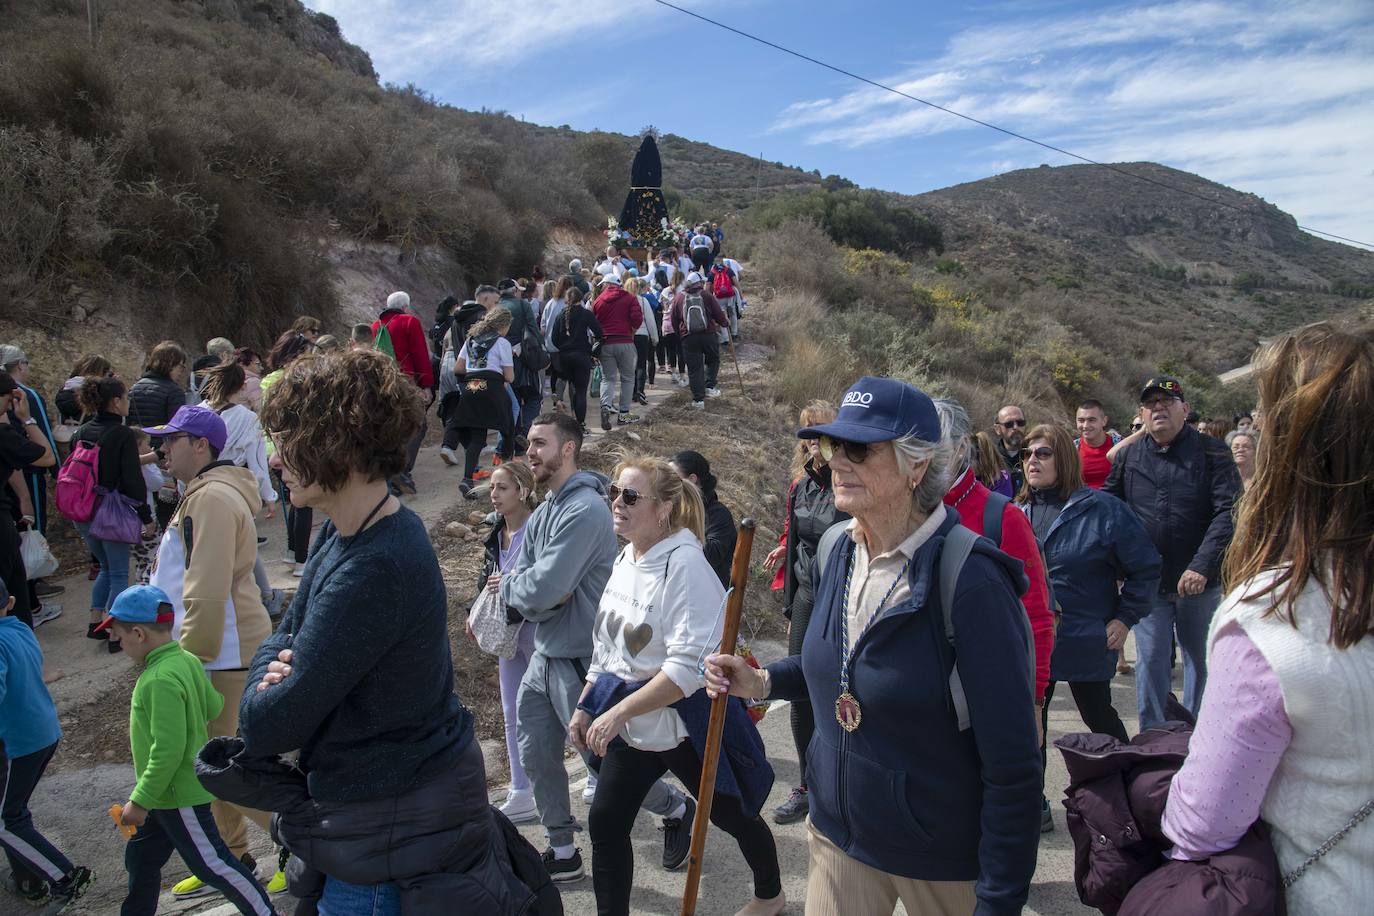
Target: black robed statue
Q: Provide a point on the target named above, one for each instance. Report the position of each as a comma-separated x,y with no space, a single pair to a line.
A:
645,209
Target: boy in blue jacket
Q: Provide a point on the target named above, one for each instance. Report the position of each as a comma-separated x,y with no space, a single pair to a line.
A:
28,739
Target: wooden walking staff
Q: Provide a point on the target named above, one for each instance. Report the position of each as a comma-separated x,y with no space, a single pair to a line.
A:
715,731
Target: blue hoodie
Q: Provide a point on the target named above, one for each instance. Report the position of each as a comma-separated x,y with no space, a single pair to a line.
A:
907,792
28,720
569,549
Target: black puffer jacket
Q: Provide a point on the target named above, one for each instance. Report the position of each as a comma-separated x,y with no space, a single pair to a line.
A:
440,844
152,401
810,511
720,537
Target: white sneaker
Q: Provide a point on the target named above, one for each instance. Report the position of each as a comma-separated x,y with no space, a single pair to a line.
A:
698,405
682,381
589,792
49,611
450,458
299,570
519,807
713,392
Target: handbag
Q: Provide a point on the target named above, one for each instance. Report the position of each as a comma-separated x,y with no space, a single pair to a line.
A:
487,620
38,558
116,518
594,389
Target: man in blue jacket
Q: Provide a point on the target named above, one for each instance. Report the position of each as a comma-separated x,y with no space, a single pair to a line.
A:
1182,486
564,563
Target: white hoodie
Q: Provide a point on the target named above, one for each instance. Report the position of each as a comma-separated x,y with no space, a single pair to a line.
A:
660,612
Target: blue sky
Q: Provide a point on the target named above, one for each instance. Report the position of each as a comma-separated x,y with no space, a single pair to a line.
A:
1275,98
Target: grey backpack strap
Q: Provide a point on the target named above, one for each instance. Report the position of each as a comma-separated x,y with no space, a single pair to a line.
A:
992,517
958,545
827,545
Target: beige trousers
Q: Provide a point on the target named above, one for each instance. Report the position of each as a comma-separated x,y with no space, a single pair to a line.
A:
842,886
230,819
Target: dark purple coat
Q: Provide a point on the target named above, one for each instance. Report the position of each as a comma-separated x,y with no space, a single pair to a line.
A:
1115,802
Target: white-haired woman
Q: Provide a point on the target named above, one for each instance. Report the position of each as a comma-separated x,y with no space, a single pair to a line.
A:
913,796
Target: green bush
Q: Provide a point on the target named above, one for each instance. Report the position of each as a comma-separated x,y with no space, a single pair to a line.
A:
853,218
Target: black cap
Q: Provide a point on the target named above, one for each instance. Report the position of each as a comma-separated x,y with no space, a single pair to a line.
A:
1165,383
7,383
506,284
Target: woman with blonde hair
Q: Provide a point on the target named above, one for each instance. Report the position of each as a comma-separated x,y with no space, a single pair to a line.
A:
810,511
643,711
1286,729
486,365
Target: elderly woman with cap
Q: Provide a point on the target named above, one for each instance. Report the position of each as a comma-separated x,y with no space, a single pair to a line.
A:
917,631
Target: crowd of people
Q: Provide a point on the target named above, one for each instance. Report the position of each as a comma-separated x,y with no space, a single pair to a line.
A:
935,577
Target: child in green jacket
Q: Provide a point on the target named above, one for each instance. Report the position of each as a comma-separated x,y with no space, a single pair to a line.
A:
172,703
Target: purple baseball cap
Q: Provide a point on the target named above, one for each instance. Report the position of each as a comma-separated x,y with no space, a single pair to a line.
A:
201,422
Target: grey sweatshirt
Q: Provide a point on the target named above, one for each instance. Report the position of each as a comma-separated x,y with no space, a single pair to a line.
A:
569,549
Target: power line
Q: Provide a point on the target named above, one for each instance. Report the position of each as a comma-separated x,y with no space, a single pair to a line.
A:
981,123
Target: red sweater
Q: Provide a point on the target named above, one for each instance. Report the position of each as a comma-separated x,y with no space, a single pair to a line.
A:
619,315
408,340
970,498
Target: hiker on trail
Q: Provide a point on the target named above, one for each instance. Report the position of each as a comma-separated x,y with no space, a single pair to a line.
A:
486,366
450,383
995,517
646,336
68,408
564,563
29,733
1182,486
575,276
703,250
720,533
118,470
144,553
217,350
698,318
725,287
308,327
577,334
245,446
254,368
1103,572
327,682
31,486
1010,430
670,341
1242,443
810,513
361,337
205,567
987,464
172,701
443,319
558,301
642,711
513,499
412,355
152,401
300,519
895,616
619,315
526,385
22,445
1286,729
1094,442
717,239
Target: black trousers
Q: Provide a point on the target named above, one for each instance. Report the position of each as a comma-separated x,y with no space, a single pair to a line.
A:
191,833
800,711
623,781
1094,702
703,362
644,362
577,371
298,523
12,571
30,853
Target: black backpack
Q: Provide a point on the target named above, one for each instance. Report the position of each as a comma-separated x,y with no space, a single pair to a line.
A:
528,868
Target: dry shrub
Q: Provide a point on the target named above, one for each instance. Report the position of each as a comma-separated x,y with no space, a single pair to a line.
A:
798,255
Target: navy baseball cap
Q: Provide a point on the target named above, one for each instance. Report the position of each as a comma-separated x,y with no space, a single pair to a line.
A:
201,422
140,604
879,410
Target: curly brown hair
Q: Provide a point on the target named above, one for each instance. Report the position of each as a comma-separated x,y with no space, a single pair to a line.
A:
347,411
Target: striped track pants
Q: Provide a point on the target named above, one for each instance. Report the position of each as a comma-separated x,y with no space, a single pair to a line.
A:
191,833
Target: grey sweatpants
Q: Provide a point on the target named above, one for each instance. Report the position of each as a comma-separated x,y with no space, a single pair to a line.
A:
618,365
544,707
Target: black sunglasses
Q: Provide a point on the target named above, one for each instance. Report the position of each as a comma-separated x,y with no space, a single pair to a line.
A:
1044,452
856,452
1020,422
1137,425
629,494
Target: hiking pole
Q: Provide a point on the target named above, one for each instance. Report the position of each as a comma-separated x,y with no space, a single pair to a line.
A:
734,352
715,730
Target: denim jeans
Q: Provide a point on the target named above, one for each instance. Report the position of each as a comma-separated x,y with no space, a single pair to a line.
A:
344,899
1189,617
515,421
113,558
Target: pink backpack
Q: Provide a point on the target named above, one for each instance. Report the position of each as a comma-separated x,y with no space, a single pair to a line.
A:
76,481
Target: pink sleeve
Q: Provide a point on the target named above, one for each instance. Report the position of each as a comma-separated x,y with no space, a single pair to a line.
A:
1241,735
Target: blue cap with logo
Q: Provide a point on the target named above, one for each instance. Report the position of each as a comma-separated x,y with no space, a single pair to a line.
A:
879,410
140,604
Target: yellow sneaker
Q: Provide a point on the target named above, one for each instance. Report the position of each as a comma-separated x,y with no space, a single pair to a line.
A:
278,883
191,887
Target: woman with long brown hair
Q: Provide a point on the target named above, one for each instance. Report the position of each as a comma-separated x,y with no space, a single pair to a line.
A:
1286,728
810,511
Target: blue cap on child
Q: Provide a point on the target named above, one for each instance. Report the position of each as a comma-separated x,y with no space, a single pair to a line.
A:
140,604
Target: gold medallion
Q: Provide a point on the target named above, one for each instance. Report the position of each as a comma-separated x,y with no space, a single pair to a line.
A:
847,712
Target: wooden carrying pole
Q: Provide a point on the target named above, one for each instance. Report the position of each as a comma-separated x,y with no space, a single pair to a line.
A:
715,731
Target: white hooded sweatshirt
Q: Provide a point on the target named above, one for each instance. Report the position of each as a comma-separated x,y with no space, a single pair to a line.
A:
660,612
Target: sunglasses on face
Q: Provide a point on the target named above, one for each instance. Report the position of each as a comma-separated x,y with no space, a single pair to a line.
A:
629,494
1136,426
1156,403
1043,453
1013,423
856,452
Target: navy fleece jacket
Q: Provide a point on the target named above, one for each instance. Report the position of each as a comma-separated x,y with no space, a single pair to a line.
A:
907,792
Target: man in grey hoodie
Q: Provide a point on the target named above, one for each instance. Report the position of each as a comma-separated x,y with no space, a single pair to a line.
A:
564,563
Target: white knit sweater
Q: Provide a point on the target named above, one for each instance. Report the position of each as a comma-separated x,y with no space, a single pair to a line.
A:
1327,772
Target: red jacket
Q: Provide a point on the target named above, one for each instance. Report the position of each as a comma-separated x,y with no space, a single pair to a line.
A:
970,498
408,340
619,315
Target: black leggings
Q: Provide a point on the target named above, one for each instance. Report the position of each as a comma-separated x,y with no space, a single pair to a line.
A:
802,715
577,370
1094,702
623,781
670,348
298,523
644,362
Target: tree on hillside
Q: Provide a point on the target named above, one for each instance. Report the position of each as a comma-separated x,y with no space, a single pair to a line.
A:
605,161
